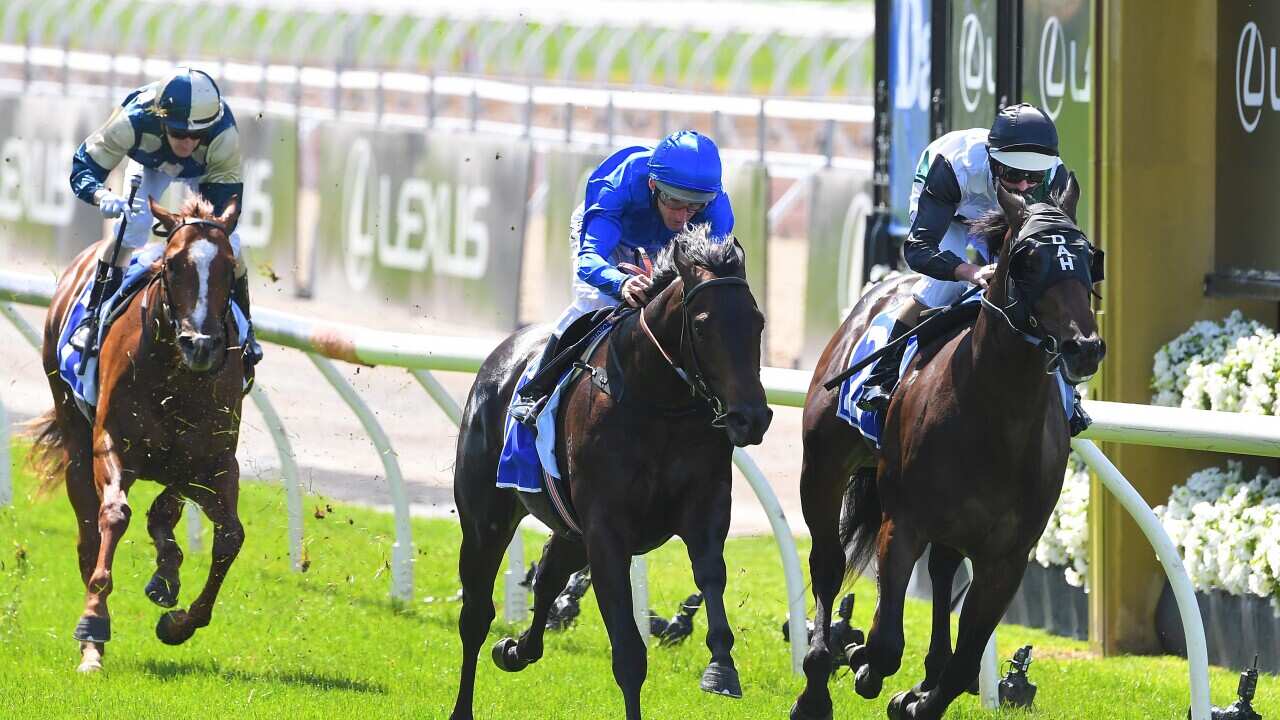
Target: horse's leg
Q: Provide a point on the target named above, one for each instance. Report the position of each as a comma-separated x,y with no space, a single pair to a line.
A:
899,547
943,563
823,480
704,537
611,576
84,501
219,498
560,559
161,519
488,522
994,583
112,481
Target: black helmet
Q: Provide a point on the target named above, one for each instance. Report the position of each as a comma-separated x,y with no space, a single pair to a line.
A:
1023,137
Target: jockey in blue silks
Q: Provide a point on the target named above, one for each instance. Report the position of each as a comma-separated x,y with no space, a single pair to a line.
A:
177,129
639,198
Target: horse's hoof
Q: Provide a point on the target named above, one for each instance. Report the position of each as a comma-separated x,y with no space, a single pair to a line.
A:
93,629
90,658
798,714
898,705
506,655
721,679
162,592
855,656
175,627
868,682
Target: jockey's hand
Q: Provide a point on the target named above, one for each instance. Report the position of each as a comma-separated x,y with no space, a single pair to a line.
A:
112,205
635,291
979,275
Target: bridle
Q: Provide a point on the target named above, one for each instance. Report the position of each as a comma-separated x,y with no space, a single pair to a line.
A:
694,376
166,296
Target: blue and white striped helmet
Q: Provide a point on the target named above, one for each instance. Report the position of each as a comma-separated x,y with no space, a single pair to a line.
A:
188,100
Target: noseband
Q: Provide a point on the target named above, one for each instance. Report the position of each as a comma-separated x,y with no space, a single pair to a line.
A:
694,377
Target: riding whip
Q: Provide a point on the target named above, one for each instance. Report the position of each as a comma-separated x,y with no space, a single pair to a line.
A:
854,369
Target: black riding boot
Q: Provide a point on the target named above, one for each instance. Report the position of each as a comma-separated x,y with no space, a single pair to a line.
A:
533,395
106,281
252,350
1079,420
878,388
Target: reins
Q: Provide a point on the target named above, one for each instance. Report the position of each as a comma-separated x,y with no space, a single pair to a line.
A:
694,377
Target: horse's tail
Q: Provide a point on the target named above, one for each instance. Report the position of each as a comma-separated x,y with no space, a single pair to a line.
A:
860,521
48,456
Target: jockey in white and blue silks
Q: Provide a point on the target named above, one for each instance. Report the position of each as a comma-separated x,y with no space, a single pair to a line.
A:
175,130
638,198
954,184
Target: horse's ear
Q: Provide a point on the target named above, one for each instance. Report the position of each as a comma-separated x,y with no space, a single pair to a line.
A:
231,214
1014,208
168,220
1070,197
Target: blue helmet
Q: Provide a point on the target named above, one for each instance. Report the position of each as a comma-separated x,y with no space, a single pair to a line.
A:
188,100
686,166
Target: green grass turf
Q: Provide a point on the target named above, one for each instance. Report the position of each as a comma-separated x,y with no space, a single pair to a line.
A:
329,643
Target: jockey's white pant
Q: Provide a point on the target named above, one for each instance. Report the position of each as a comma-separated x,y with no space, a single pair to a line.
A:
138,232
585,297
932,292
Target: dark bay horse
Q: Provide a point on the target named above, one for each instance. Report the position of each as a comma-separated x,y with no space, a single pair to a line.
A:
974,448
168,410
640,469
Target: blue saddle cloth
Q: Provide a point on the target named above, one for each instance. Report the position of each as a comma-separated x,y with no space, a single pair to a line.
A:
85,387
871,424
527,455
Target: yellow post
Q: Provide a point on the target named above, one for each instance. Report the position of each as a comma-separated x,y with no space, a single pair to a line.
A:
1157,66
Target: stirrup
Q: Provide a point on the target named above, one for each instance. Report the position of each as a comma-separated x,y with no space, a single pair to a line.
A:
80,336
1079,420
526,412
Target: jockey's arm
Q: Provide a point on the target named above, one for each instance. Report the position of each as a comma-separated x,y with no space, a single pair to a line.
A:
939,199
224,173
99,154
600,237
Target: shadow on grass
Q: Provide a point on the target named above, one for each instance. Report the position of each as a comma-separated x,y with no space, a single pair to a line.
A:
170,670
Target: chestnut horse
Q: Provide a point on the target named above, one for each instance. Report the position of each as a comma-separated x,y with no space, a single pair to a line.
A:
974,448
644,461
168,409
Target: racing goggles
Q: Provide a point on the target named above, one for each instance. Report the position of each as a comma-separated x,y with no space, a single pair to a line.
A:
1016,175
184,134
673,203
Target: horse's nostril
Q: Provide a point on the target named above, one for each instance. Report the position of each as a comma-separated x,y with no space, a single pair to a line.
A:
1071,347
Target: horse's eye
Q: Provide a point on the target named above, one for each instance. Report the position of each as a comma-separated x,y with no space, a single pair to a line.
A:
700,325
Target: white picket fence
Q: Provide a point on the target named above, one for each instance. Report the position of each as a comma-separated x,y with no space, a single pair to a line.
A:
422,354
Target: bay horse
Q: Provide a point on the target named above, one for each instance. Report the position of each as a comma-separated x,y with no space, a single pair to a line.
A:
168,410
643,462
974,448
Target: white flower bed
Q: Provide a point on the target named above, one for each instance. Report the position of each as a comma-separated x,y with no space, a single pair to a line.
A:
1065,541
1230,366
1227,529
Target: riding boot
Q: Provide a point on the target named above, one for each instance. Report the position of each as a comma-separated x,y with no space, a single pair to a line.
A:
533,395
878,388
106,281
252,351
1079,420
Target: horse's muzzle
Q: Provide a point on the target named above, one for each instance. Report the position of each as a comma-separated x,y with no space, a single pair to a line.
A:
1081,357
746,425
199,351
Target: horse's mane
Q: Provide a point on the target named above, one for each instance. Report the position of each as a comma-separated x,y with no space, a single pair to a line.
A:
717,254
196,206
